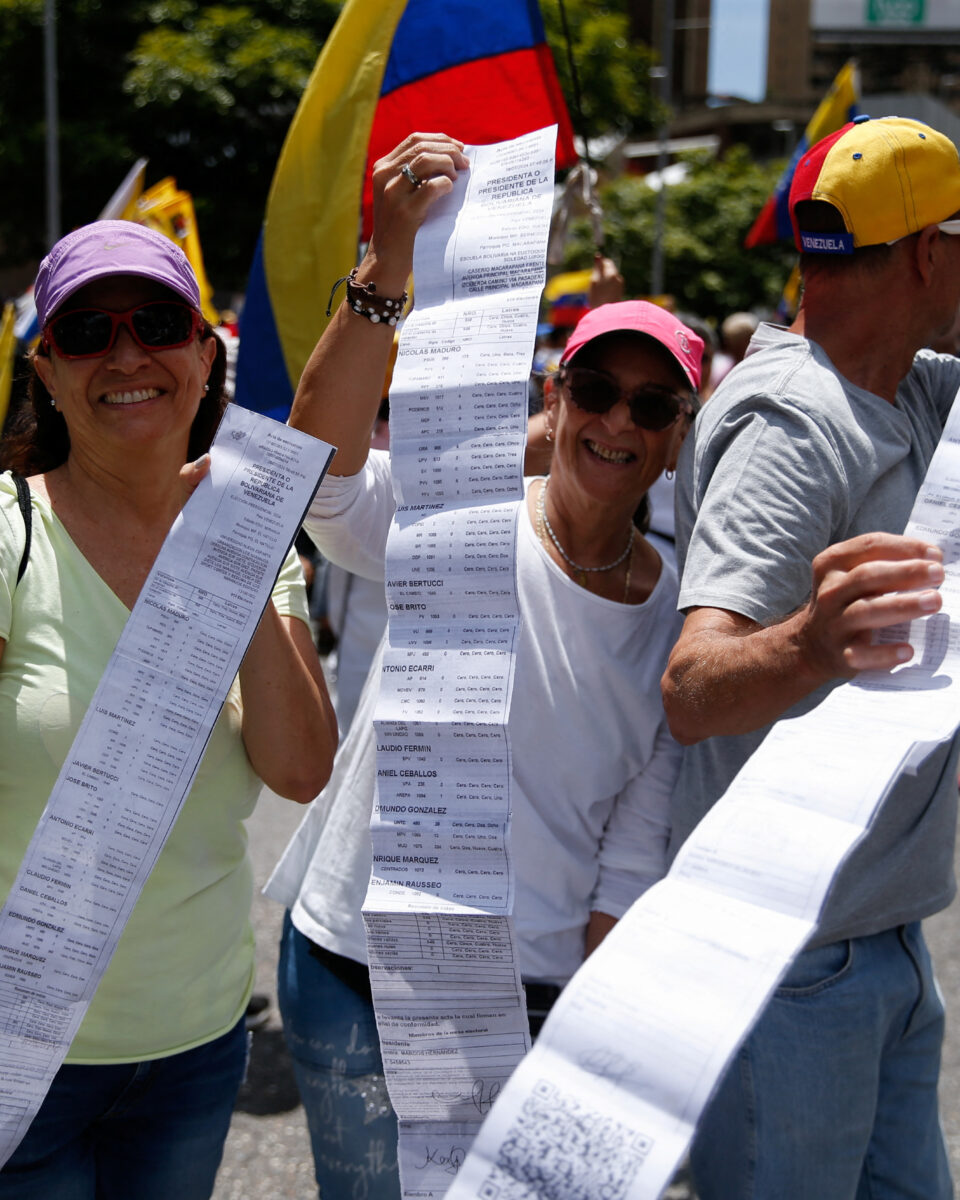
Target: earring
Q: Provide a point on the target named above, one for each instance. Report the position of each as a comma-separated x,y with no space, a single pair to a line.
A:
549,434
669,474
206,388
53,403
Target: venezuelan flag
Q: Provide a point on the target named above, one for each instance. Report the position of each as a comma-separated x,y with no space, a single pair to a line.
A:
479,71
568,295
839,106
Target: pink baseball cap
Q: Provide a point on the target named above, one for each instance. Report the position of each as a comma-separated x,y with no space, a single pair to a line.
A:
640,316
106,248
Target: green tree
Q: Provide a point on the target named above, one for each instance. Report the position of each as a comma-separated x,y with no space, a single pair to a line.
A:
707,216
205,91
220,84
613,69
92,45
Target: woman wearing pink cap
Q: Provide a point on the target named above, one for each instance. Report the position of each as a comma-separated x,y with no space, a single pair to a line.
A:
127,389
593,762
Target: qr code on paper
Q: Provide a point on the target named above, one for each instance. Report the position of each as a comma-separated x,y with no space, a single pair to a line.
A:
558,1149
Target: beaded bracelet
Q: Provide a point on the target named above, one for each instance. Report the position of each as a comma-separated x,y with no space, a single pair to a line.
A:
364,299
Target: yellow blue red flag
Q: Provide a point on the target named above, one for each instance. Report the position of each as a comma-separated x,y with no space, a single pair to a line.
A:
568,295
839,106
479,71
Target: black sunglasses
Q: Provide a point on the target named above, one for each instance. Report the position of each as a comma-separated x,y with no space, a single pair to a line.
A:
652,406
90,332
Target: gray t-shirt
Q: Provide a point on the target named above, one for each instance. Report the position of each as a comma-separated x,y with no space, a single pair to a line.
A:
788,458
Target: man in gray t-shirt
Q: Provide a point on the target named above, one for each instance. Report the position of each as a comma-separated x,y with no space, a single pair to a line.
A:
791,497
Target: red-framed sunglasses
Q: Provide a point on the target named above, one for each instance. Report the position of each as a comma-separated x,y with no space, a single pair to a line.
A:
91,332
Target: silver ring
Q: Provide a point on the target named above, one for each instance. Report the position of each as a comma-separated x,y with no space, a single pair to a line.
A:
408,173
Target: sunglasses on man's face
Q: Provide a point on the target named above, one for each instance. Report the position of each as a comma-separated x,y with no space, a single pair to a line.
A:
652,406
91,332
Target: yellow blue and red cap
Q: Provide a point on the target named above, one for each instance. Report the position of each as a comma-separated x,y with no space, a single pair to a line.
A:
887,178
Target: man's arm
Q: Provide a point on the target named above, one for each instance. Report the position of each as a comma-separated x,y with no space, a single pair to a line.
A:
728,675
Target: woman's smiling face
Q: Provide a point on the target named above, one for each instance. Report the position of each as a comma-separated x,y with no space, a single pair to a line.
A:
606,454
129,395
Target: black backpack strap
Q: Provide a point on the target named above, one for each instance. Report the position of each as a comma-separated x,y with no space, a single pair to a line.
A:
23,499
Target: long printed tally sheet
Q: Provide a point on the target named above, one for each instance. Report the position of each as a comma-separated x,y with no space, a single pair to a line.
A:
140,744
443,956
608,1100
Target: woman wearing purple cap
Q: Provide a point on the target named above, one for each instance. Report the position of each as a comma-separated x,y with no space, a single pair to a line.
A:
127,389
593,763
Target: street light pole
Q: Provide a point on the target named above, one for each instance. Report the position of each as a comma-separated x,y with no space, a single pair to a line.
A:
52,120
664,73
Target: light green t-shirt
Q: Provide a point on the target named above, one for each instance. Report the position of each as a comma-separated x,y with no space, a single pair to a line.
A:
183,970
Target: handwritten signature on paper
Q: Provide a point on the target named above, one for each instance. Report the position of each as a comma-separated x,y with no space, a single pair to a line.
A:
450,1162
484,1095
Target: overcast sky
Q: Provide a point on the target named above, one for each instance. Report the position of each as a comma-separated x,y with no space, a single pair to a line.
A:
738,48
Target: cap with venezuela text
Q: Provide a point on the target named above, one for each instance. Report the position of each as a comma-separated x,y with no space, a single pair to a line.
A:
887,178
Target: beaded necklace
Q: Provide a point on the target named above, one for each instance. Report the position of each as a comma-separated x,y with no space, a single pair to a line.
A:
543,524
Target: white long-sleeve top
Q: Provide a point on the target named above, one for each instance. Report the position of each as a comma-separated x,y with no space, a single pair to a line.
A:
593,761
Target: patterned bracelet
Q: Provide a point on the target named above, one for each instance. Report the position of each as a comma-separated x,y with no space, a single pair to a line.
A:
364,299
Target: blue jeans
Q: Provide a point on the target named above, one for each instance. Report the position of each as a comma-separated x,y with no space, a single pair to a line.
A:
331,1033
834,1094
149,1130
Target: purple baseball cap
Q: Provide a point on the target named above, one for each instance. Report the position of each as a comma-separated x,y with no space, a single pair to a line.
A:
111,248
640,316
